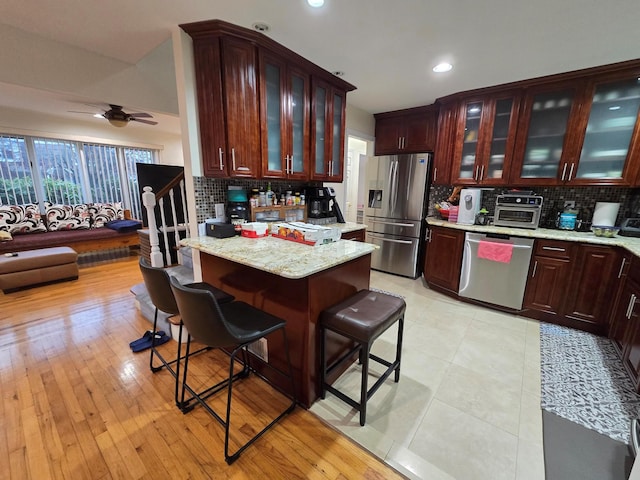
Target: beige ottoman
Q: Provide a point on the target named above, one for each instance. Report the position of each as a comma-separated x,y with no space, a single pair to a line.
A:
35,267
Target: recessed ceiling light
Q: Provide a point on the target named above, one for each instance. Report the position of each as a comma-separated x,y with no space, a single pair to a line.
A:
315,3
442,67
338,73
261,27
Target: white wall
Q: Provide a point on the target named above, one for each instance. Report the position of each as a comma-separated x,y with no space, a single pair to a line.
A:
360,121
37,62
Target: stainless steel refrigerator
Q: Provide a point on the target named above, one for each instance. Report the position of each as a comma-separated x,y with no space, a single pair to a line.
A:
397,188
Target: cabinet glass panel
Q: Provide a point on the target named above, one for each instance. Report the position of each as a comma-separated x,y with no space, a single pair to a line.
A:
321,103
547,128
499,138
297,115
337,124
470,141
613,116
273,118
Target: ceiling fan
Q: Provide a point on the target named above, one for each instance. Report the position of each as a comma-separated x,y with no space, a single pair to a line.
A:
119,118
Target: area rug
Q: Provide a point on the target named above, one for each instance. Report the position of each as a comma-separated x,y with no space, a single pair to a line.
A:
584,381
573,452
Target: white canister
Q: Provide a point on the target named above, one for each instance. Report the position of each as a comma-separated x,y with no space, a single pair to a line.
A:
605,214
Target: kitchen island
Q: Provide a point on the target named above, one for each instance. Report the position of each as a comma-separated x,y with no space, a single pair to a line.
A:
292,281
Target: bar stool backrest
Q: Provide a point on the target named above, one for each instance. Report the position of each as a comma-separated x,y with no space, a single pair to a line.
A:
157,282
202,316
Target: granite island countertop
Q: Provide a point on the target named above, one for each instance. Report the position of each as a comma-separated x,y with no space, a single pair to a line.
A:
282,257
632,244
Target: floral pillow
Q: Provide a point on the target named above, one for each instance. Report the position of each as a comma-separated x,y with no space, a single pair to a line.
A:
17,219
67,217
101,213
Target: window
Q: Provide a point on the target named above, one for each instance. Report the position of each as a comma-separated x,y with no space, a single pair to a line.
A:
16,182
70,172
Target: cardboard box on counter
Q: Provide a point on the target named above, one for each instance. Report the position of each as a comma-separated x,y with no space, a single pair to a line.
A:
306,233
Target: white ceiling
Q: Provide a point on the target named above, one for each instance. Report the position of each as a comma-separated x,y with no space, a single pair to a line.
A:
386,48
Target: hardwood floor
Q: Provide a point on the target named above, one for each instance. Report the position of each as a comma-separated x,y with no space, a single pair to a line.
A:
78,404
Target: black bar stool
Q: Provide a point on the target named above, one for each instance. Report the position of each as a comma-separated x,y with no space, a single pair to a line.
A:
362,318
156,280
231,326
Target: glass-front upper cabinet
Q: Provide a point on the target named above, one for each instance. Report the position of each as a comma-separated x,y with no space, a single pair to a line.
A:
485,139
541,146
285,107
327,131
609,133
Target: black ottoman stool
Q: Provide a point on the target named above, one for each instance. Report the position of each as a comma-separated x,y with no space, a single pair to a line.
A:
362,318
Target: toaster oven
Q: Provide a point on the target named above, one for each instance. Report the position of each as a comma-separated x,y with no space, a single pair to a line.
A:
517,210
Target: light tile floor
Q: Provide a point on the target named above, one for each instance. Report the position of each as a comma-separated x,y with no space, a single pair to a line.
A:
468,402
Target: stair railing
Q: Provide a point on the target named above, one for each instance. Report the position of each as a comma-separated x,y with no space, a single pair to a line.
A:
150,200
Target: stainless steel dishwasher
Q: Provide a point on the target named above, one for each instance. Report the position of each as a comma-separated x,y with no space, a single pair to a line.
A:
496,282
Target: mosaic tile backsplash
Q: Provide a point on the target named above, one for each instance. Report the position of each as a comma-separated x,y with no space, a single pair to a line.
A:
209,191
585,198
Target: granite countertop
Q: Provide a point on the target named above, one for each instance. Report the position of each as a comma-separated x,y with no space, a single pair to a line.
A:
630,243
348,226
282,257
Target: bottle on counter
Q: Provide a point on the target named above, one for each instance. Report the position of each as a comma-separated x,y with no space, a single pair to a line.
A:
269,195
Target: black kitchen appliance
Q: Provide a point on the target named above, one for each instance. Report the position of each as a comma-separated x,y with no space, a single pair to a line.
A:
319,211
238,211
334,208
630,226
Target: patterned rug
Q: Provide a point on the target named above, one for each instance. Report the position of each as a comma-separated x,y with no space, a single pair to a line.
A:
583,380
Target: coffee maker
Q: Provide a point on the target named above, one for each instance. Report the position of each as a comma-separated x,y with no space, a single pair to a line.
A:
237,207
322,207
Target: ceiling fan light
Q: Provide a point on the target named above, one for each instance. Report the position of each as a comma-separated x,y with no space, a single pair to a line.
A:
117,122
315,3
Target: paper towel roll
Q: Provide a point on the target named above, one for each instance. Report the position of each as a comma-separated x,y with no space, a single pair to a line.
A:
605,214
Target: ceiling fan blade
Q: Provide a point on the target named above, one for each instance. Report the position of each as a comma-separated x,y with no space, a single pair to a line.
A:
148,122
140,115
76,111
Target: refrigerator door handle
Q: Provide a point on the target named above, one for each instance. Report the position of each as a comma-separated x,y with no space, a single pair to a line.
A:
395,185
390,185
395,224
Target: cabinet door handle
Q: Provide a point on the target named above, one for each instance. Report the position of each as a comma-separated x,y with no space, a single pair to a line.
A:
286,164
404,142
482,173
624,261
571,172
632,303
291,164
435,174
399,143
233,158
554,249
535,267
475,177
564,172
220,158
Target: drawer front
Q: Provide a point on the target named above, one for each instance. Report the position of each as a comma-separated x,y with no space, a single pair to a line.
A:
554,248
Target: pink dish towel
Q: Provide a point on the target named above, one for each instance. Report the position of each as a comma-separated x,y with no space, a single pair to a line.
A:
497,252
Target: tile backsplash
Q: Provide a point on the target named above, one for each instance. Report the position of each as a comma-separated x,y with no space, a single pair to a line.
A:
584,197
209,191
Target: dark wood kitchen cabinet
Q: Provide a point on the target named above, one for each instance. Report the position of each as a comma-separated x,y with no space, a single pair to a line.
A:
443,154
356,235
406,131
571,284
625,322
227,89
284,93
619,320
257,114
328,108
549,277
484,139
443,258
580,132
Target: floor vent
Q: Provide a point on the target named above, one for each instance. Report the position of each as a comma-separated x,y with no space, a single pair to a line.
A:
259,349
